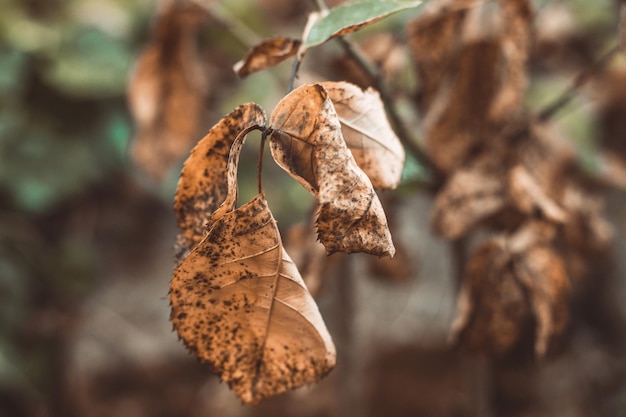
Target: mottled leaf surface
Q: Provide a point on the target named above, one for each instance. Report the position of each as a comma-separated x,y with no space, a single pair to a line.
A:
367,132
240,304
308,144
267,54
203,185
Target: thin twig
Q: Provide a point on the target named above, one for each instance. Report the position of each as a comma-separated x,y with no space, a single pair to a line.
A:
294,72
581,79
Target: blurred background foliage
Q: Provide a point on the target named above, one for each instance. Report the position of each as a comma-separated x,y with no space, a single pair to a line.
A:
72,206
64,130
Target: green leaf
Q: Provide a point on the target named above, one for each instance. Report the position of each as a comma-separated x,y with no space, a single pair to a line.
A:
351,17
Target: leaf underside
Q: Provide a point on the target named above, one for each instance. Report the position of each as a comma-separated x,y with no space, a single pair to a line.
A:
368,135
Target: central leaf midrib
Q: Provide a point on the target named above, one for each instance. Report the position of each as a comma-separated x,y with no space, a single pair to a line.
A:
278,247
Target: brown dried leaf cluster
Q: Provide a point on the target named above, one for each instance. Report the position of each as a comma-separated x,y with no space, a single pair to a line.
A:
238,300
523,172
505,171
506,289
471,63
168,88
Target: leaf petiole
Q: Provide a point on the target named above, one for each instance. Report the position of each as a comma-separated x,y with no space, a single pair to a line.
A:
264,134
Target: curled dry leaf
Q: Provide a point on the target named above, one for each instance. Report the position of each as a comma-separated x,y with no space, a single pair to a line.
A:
367,132
506,282
529,197
202,186
536,177
543,274
240,305
167,90
472,56
587,229
516,28
433,42
491,309
307,143
521,174
267,54
472,194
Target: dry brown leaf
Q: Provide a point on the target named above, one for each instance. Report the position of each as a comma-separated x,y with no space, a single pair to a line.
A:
529,197
267,54
515,34
472,72
167,91
203,186
507,281
452,127
530,234
367,132
587,229
492,309
537,174
544,276
307,143
471,195
433,41
240,305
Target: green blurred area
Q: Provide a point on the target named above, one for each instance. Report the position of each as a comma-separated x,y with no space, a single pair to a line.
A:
64,131
63,123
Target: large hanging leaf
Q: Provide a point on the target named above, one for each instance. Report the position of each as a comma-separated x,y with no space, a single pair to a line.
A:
240,305
368,135
203,186
351,17
307,143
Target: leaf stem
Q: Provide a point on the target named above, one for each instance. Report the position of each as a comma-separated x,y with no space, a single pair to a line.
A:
264,134
580,80
294,73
